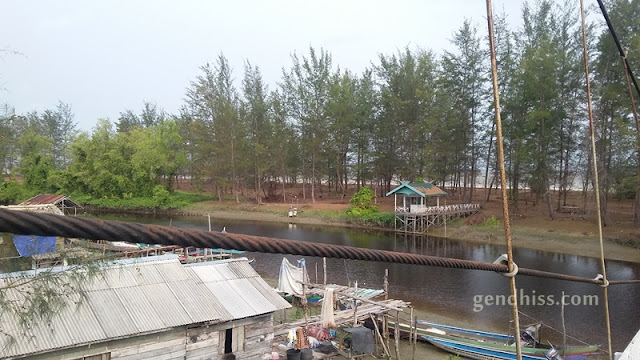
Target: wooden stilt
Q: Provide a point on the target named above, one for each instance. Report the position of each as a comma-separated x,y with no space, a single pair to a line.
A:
355,305
384,346
324,267
397,335
385,324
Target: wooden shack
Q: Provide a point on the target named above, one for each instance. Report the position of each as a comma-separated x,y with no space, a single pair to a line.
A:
415,195
416,215
151,308
62,202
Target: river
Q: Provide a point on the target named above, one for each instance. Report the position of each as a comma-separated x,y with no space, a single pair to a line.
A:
463,297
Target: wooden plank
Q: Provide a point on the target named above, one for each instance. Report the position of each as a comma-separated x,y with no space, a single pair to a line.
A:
252,332
156,345
259,342
161,352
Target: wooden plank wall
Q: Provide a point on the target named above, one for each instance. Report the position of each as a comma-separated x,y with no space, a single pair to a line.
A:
253,338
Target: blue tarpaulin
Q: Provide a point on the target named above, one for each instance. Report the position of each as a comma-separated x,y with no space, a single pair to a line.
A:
28,245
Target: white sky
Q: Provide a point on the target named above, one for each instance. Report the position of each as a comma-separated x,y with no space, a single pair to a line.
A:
103,57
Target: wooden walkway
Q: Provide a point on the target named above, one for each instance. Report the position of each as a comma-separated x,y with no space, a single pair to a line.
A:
420,220
363,312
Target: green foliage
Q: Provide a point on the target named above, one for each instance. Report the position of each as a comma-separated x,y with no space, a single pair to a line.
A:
161,196
363,199
378,219
175,200
11,192
491,225
626,188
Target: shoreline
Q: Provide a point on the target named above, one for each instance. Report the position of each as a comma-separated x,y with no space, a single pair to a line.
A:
536,238
577,239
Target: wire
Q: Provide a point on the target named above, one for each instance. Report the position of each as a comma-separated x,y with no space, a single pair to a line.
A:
28,223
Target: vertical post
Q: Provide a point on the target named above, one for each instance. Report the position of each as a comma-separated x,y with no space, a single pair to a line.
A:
596,185
324,268
316,272
304,295
410,325
396,335
503,177
209,217
415,336
385,324
355,305
395,211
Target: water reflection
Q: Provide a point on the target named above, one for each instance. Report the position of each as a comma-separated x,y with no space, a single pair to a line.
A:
453,291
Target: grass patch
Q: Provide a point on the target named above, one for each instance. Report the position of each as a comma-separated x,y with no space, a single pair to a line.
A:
378,219
632,243
328,215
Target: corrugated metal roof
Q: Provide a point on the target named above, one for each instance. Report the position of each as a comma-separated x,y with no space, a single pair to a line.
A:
420,189
43,199
238,287
54,199
134,296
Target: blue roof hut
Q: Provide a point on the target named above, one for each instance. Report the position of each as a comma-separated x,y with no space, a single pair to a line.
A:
414,195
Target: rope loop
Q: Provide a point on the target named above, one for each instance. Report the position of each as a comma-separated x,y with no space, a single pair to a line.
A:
511,273
605,282
502,260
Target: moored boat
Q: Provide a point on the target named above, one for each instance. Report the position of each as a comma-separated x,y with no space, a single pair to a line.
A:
484,345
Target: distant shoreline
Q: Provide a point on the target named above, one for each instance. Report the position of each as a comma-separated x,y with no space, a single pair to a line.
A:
531,236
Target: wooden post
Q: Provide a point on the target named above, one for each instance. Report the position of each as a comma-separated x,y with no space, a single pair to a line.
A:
375,324
324,267
209,217
415,335
304,296
410,325
316,272
355,305
385,321
396,335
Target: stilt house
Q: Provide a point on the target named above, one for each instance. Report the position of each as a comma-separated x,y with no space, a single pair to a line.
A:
414,195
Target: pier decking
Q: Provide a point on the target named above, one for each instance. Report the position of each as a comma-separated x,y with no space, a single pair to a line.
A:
419,219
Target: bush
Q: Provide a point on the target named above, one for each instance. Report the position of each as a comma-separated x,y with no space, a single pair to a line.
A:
161,196
363,199
11,192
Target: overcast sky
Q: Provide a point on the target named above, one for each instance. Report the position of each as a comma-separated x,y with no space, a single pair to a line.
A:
103,57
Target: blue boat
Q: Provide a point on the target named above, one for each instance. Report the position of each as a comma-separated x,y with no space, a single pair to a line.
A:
484,345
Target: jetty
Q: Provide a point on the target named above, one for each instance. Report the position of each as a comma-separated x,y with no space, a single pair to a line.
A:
415,215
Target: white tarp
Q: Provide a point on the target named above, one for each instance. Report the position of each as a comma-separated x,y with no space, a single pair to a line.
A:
633,349
290,281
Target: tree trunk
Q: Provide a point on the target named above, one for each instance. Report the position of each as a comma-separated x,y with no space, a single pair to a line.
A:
313,177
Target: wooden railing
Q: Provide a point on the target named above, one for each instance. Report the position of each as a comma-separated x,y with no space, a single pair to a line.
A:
433,210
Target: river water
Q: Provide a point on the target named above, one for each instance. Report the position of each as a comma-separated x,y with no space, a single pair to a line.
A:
467,297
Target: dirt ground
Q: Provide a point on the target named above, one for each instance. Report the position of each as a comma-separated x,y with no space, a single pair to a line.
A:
573,230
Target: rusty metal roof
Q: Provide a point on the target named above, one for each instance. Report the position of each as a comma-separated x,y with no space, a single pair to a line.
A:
137,296
55,199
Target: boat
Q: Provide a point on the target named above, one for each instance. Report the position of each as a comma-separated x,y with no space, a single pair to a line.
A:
484,345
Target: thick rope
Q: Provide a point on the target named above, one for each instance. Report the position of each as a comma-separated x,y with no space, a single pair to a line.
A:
29,223
503,177
595,174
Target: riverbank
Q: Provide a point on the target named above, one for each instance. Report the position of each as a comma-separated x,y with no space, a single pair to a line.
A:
563,235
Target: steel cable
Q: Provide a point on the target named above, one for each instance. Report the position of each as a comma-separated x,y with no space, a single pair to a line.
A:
29,223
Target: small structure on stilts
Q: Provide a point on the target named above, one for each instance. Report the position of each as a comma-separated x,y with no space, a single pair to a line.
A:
415,215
